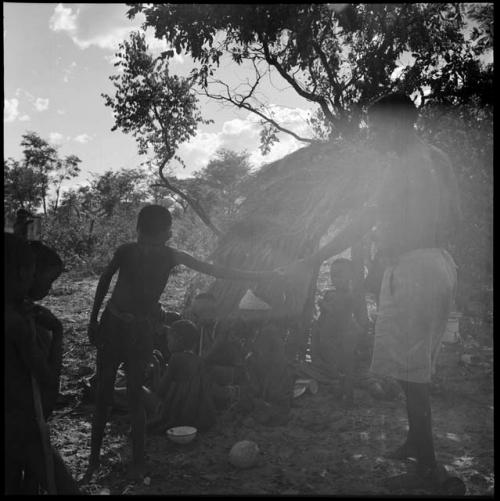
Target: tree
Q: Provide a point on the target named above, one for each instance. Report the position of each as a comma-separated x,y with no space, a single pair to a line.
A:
66,169
27,181
338,56
158,109
225,177
42,158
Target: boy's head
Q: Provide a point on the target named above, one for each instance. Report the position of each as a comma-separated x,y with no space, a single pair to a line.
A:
19,266
391,119
183,336
48,267
203,307
341,273
154,222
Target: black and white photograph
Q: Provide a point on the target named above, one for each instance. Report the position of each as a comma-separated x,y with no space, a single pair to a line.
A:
248,249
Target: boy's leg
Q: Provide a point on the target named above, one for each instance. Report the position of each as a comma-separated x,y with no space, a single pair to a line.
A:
65,483
106,374
135,374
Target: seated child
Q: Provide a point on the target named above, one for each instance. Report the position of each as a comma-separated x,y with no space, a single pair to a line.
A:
28,369
184,390
270,375
335,334
225,363
202,312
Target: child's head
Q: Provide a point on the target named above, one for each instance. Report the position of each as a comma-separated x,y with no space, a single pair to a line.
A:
203,307
341,273
171,317
183,336
48,267
154,222
19,267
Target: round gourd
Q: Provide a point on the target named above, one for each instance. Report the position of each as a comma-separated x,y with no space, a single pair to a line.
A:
244,454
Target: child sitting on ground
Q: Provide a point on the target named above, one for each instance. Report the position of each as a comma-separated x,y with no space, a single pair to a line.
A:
125,332
184,391
270,376
335,335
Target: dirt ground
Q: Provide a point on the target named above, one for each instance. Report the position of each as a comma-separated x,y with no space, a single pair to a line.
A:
324,449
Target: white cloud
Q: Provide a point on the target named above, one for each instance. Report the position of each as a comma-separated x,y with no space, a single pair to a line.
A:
82,138
61,112
56,138
63,19
10,111
105,29
107,41
244,134
69,71
41,104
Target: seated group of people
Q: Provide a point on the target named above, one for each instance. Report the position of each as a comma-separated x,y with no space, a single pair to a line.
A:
200,366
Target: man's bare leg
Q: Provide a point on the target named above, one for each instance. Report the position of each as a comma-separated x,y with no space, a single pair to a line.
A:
106,374
137,416
409,448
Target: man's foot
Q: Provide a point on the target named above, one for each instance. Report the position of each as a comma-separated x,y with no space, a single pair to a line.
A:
436,480
404,451
444,482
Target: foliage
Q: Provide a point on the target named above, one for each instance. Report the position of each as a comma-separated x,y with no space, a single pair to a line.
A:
338,56
158,109
466,134
21,187
27,181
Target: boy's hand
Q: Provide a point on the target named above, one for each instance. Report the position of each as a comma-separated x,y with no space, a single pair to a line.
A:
93,332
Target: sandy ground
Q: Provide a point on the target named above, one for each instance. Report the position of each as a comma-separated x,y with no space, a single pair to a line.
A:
324,449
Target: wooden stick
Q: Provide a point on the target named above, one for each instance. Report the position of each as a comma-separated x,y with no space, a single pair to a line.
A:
45,437
44,432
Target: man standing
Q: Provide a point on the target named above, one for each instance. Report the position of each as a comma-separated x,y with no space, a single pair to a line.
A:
413,212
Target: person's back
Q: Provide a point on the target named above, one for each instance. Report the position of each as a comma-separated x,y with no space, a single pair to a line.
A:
413,206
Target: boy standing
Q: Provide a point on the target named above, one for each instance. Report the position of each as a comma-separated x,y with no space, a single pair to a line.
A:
125,330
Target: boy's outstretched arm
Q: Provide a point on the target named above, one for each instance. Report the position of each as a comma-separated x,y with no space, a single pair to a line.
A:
221,271
100,294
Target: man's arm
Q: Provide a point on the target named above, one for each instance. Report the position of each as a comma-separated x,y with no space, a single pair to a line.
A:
103,287
23,333
221,271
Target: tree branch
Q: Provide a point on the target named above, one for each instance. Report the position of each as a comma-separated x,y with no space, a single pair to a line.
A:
191,201
303,93
248,107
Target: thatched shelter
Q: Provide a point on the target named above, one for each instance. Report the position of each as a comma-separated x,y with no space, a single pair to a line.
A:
291,205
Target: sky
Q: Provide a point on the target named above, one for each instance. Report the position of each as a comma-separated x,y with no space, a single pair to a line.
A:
57,62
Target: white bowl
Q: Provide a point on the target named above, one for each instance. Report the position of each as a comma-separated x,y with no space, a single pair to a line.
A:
182,434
